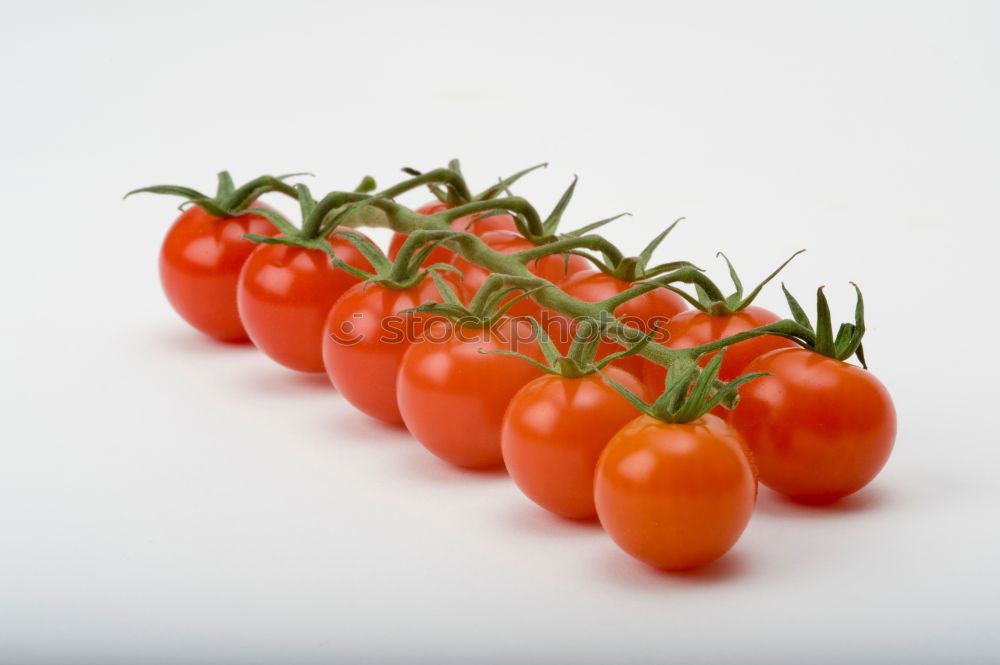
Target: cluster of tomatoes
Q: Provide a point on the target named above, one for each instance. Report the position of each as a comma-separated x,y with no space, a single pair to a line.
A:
586,428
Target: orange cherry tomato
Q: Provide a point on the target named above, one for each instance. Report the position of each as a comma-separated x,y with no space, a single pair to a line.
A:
819,428
453,397
473,224
285,293
366,337
200,263
643,312
675,496
554,431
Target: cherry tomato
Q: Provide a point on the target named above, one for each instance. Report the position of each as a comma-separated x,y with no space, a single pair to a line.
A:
553,268
819,428
473,224
285,293
200,263
649,309
452,397
366,337
675,496
554,431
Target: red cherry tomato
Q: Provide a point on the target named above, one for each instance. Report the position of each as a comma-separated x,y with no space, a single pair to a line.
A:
649,309
284,295
452,397
200,263
553,268
554,431
675,496
473,224
694,328
366,337
819,428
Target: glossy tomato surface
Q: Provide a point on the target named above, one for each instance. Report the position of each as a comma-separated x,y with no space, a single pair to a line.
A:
654,308
453,397
555,430
473,224
365,339
694,327
285,294
200,263
675,496
819,428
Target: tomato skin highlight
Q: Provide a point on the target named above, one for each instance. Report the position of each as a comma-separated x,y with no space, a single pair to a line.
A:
365,372
284,296
819,428
453,398
675,496
554,432
200,262
643,312
478,227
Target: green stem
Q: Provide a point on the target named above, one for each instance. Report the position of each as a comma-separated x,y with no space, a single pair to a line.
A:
592,242
473,249
513,204
784,328
241,197
686,275
442,176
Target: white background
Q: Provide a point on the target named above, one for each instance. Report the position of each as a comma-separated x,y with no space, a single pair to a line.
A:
164,499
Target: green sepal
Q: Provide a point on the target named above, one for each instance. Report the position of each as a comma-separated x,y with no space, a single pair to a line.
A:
709,298
229,201
504,184
551,223
366,185
847,341
691,392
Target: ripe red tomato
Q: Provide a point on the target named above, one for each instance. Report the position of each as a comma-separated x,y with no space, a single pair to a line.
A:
452,397
819,428
649,309
554,431
472,224
285,293
694,328
366,337
200,263
675,496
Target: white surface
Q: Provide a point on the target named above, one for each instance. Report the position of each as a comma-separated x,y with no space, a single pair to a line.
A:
166,499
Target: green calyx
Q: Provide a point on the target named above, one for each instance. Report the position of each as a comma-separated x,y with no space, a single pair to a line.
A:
448,184
579,361
711,300
319,218
690,392
489,306
320,221
229,200
407,270
820,338
637,268
543,233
